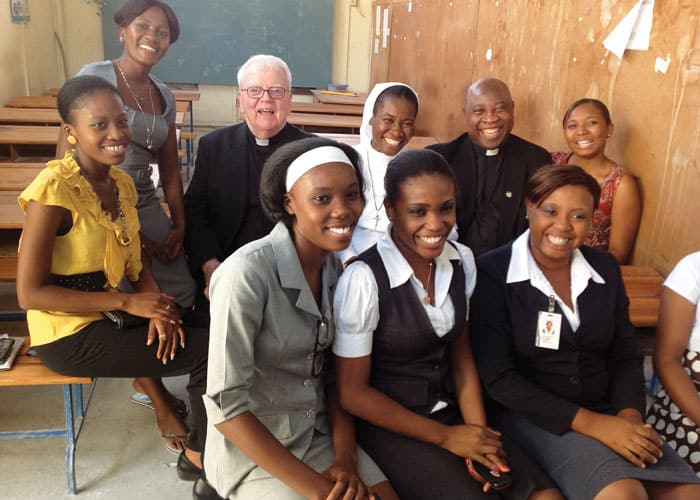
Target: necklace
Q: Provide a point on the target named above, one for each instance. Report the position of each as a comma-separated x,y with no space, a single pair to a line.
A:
121,234
149,132
377,217
428,299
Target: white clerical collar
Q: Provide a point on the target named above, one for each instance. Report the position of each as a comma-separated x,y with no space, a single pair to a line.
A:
491,152
262,142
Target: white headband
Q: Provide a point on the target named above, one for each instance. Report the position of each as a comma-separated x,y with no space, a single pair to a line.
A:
314,158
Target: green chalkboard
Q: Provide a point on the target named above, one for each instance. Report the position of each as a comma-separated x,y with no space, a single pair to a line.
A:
217,36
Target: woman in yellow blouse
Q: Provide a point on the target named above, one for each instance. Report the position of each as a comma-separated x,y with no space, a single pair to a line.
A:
80,238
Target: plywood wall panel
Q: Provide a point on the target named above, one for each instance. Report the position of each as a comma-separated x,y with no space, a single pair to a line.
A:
551,53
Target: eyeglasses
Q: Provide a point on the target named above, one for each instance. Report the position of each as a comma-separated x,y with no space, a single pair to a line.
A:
320,347
273,92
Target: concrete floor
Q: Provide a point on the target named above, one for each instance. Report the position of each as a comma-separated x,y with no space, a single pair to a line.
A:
120,454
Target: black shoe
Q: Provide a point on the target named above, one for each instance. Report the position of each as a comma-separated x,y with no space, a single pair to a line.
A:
186,470
203,491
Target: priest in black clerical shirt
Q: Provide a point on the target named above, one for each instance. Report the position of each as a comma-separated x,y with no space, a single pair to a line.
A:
492,167
222,203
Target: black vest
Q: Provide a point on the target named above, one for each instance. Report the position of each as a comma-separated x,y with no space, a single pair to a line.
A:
410,363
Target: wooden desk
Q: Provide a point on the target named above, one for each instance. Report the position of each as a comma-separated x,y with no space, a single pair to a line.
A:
643,285
324,123
339,99
28,134
11,216
38,116
185,95
353,139
32,101
22,142
327,109
17,176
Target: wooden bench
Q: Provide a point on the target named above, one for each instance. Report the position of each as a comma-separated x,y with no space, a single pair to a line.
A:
327,109
23,116
315,122
643,285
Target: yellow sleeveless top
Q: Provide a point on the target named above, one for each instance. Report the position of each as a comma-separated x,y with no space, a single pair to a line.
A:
92,243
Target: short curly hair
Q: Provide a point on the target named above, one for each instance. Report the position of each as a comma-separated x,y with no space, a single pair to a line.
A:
273,178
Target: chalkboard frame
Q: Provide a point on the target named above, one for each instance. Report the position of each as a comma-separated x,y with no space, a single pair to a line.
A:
217,36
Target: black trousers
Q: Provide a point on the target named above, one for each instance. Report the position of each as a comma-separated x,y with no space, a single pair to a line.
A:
423,471
102,350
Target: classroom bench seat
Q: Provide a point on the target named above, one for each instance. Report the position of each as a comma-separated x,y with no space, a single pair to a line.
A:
29,371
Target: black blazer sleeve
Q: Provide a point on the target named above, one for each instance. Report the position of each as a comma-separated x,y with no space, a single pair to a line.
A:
201,241
492,330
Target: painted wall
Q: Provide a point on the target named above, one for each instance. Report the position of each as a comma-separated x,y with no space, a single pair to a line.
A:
31,54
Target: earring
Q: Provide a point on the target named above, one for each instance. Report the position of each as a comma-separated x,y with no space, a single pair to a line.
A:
121,39
72,140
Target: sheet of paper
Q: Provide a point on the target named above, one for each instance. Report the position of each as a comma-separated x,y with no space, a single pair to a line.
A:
633,31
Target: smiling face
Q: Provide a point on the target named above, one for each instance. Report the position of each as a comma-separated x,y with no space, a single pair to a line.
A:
326,203
423,216
559,224
147,37
488,113
393,124
100,125
587,131
265,116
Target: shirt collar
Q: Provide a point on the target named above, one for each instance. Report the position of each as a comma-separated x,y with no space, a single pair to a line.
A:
397,267
522,266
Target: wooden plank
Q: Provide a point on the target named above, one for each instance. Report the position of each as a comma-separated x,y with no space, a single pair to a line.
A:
631,270
182,106
324,121
328,109
11,216
29,116
644,311
36,374
353,139
28,134
32,101
17,178
185,95
9,240
339,99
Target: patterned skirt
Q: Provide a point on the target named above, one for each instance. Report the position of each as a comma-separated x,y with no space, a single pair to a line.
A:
681,433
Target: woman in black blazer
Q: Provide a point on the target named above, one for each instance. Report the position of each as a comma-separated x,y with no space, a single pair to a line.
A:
574,398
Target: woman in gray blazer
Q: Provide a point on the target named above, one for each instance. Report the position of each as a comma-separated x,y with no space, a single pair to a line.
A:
277,427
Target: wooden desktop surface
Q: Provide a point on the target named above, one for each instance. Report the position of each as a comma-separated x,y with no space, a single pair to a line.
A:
28,134
29,115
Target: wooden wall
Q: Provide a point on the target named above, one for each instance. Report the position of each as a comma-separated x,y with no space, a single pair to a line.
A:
550,52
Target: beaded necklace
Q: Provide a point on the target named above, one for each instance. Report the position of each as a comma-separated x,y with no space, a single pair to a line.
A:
121,234
149,131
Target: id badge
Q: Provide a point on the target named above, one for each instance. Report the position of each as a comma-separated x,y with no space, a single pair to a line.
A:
548,330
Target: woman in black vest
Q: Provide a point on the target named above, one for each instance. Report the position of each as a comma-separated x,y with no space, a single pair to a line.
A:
404,361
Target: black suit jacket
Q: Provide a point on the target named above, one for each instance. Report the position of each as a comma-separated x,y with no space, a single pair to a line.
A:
598,367
216,199
521,160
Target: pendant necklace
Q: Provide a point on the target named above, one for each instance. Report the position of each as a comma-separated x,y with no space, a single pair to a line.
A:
377,217
122,235
149,132
427,299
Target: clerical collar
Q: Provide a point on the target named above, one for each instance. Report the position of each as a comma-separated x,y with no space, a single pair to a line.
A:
491,152
266,142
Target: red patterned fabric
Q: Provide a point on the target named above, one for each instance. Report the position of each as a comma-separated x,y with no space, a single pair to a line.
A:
599,236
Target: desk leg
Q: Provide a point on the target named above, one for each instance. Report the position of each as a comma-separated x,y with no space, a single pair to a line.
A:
70,436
